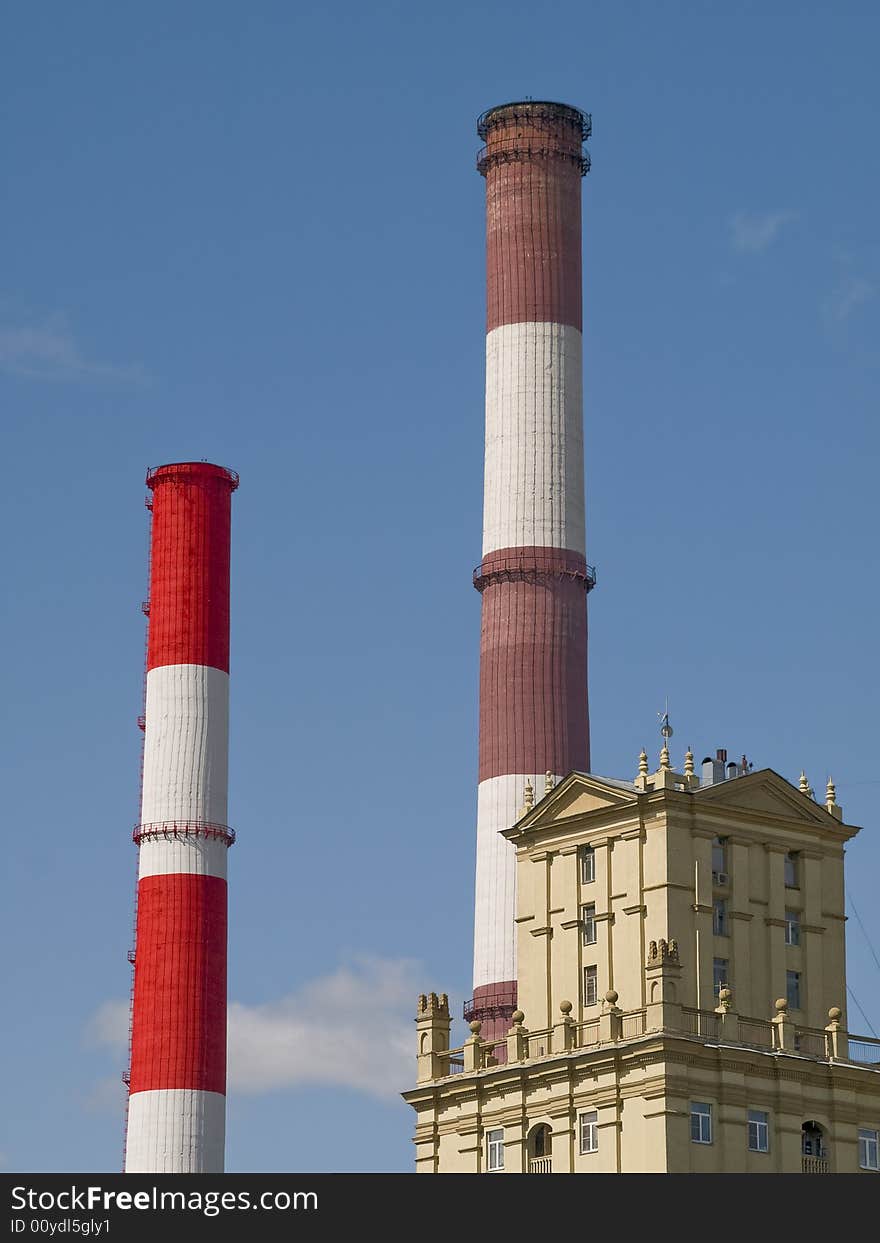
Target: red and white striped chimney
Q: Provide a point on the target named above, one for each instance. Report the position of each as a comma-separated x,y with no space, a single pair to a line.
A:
533,576
177,1075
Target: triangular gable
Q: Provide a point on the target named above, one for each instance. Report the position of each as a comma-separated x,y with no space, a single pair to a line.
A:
768,793
575,795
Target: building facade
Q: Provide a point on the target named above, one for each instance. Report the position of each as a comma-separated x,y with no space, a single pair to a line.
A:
681,990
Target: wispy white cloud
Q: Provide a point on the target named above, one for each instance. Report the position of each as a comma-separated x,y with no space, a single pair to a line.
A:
109,1026
851,291
106,1096
352,1028
48,350
752,232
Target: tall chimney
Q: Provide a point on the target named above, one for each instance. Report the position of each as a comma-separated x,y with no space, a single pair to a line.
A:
533,577
177,1075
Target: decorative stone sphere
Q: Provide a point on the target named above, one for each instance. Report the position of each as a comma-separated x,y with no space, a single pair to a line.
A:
611,997
835,1013
475,1027
781,1005
725,994
517,1017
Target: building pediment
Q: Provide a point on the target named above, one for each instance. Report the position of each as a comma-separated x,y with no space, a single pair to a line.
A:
765,793
576,795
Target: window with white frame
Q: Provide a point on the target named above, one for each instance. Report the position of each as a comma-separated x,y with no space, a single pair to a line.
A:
701,1122
869,1150
792,927
588,865
495,1149
591,986
793,989
589,1127
719,917
588,915
791,870
719,974
759,1131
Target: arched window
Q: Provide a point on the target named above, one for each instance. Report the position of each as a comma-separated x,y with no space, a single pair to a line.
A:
815,1154
539,1145
813,1140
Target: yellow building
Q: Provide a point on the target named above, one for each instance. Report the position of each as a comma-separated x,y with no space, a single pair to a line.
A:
682,990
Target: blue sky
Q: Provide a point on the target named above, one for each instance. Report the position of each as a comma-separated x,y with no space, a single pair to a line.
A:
254,234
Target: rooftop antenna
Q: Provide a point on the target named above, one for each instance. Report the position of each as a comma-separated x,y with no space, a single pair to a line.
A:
665,728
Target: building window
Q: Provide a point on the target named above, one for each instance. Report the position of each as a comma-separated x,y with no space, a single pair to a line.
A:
495,1149
759,1131
588,865
869,1150
813,1140
792,928
590,1132
719,917
719,973
588,915
591,986
793,989
701,1123
719,861
791,870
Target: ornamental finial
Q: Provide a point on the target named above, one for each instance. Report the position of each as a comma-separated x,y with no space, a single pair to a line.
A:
830,793
528,796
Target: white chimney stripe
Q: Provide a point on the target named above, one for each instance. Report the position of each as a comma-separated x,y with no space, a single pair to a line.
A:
186,745
534,471
499,803
195,855
175,1131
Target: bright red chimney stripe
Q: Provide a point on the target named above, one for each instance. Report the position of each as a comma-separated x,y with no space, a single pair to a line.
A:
189,565
179,1036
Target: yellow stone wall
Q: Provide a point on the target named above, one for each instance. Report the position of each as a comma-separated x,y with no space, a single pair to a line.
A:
653,854
654,883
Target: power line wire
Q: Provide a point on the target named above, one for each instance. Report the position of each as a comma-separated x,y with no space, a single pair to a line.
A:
861,1012
865,933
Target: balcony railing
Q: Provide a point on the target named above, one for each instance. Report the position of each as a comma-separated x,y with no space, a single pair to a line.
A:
540,1043
811,1042
815,1165
566,1037
699,1022
632,1025
755,1032
452,1064
539,1165
588,1033
864,1051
